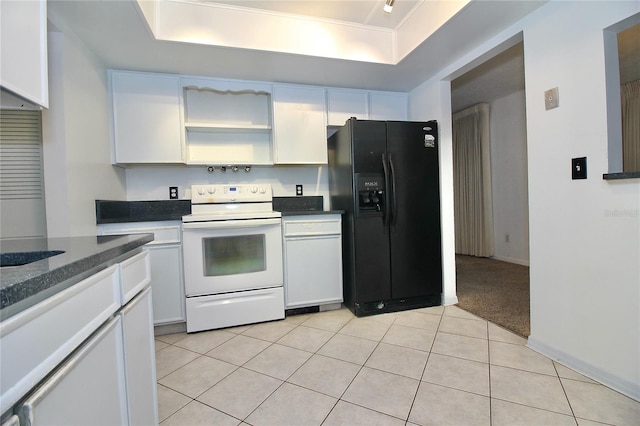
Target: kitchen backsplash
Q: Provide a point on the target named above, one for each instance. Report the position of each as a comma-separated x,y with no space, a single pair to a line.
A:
153,182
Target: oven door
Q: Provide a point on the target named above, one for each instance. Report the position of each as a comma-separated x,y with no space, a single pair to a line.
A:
232,255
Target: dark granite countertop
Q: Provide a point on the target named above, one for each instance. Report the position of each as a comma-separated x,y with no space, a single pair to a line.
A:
24,286
141,211
148,211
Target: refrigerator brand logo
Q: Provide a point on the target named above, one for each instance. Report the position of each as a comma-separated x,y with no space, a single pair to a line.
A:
429,141
371,183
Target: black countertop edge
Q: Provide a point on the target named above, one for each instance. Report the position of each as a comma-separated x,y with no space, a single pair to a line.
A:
310,212
23,286
110,211
142,219
621,175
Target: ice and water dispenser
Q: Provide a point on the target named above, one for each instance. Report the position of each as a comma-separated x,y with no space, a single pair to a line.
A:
371,196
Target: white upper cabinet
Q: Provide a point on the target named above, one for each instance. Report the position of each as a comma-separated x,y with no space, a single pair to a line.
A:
146,118
227,122
388,106
342,104
23,39
173,119
299,124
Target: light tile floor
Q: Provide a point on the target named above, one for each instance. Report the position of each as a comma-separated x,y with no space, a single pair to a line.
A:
432,366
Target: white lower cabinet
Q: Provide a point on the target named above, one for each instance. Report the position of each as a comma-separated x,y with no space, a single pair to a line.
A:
139,360
166,266
108,378
88,389
167,283
313,260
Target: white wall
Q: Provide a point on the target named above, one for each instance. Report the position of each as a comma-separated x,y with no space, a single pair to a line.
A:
508,129
152,183
76,146
432,101
585,273
584,251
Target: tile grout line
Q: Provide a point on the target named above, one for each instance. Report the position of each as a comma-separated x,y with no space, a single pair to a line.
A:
355,375
425,367
565,392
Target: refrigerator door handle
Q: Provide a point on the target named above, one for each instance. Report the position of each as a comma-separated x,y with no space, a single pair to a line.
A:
394,203
386,212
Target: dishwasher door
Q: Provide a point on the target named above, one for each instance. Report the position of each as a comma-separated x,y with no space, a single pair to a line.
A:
313,260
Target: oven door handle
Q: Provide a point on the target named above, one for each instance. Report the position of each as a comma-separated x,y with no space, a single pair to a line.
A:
230,224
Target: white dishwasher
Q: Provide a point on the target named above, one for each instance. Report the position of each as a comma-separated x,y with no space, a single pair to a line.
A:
312,260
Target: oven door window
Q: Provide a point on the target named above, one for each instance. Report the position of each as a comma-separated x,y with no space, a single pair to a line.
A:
233,255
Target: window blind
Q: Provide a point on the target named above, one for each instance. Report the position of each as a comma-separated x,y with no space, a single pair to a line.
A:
20,155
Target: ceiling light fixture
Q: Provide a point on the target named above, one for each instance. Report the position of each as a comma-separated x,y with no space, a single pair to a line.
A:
388,6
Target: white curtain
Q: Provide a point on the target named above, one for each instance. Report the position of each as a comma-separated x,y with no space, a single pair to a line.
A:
630,94
473,209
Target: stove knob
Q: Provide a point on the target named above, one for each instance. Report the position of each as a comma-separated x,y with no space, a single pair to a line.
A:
263,190
211,190
254,189
200,191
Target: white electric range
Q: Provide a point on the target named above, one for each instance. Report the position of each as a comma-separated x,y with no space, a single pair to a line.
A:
232,248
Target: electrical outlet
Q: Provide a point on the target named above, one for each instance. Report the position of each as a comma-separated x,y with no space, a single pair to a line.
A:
173,192
299,190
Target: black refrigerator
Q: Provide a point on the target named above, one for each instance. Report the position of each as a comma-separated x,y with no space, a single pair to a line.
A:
385,176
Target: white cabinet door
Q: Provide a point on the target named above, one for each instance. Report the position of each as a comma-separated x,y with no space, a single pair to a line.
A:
299,125
313,260
167,284
23,38
342,104
139,358
388,106
88,389
165,253
146,118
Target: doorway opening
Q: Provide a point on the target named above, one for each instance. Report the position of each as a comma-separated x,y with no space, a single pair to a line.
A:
493,281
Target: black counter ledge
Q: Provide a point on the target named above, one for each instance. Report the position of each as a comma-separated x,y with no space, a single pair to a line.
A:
301,206
23,286
141,211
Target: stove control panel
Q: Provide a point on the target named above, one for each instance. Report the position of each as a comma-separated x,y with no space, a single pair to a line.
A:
242,193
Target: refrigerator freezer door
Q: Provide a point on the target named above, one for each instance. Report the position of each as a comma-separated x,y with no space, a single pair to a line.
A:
371,236
416,260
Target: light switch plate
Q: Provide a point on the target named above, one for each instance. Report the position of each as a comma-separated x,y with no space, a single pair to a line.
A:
551,98
579,168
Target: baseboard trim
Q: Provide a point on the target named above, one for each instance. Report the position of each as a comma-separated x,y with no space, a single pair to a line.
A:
630,389
449,300
511,260
178,327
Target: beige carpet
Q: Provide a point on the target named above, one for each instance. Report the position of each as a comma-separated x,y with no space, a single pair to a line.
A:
494,290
